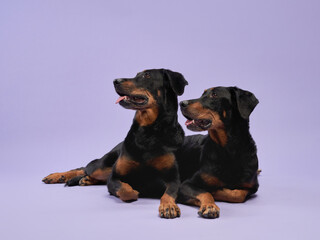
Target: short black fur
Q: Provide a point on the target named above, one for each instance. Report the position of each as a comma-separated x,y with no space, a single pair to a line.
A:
228,164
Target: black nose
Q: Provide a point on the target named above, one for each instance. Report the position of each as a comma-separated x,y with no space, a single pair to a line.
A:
184,103
117,81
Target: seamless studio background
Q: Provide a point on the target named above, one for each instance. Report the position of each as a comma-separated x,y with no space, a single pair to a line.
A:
57,63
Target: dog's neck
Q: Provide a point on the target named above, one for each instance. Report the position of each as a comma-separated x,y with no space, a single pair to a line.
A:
219,136
153,131
238,129
146,117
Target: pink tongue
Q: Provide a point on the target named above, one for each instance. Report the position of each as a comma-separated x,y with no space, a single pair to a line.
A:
120,99
188,122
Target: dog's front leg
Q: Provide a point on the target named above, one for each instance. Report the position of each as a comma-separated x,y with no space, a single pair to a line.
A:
168,207
192,191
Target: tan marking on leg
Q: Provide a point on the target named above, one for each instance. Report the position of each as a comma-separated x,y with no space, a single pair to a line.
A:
87,180
233,196
208,208
124,165
168,207
127,193
63,177
101,174
205,198
163,162
211,180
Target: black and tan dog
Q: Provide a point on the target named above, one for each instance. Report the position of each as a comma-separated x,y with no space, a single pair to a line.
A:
143,164
228,160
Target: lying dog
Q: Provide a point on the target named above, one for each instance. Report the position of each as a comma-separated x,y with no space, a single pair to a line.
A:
143,164
228,161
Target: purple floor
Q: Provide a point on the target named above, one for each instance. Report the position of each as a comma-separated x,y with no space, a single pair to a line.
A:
283,208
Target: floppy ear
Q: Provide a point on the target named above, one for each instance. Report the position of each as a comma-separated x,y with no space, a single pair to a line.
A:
246,102
176,80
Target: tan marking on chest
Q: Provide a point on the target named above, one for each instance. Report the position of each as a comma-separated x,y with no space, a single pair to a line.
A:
219,136
146,117
124,165
211,180
163,162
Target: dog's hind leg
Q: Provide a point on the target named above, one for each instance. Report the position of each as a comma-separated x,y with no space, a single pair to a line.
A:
232,196
96,172
62,177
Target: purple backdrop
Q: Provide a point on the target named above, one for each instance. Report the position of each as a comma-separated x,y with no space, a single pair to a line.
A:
57,63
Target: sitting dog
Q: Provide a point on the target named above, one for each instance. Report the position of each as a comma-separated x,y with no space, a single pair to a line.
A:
143,164
228,157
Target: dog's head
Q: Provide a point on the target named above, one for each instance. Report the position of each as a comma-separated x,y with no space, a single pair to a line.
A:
218,106
153,90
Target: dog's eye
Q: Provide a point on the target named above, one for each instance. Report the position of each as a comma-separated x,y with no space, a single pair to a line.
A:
213,95
146,75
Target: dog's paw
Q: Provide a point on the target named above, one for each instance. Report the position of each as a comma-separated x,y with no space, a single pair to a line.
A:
169,210
127,194
209,211
87,180
55,178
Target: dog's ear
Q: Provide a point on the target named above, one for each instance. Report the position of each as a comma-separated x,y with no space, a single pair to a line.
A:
246,102
176,80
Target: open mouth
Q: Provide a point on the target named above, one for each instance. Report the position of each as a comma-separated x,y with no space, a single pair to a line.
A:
203,124
138,100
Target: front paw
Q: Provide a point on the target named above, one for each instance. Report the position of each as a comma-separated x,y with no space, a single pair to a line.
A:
126,193
54,178
209,211
169,210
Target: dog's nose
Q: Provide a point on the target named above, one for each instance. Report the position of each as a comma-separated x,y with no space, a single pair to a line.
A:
117,81
184,103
